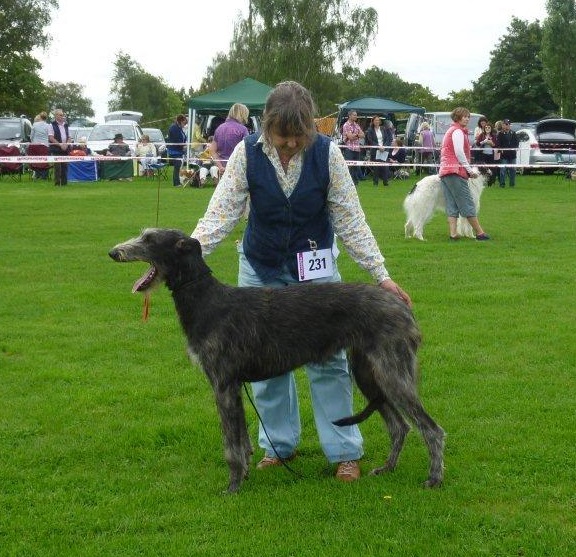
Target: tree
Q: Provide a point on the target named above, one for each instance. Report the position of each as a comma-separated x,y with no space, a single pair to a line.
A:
21,89
559,62
135,89
70,97
303,40
513,86
464,97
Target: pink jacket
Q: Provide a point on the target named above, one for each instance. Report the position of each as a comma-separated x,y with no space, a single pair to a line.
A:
449,163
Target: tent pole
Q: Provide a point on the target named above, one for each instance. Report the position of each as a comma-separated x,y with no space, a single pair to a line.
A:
191,122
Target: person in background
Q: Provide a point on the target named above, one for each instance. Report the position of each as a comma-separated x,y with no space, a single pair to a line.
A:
80,149
229,134
454,172
198,141
352,134
40,129
39,136
147,155
397,155
208,166
176,146
476,154
427,149
375,138
300,190
119,148
508,144
486,141
60,141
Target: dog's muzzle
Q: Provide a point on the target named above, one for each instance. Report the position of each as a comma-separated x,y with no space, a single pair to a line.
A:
117,254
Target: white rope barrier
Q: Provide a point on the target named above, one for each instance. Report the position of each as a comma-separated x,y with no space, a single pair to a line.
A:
27,159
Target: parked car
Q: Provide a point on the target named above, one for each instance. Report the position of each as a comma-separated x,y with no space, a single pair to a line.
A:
550,143
157,138
123,115
15,130
516,126
77,133
103,134
529,153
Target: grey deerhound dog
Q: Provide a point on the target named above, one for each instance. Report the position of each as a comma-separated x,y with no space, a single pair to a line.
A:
251,334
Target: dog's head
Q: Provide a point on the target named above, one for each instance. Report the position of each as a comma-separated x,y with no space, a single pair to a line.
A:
174,258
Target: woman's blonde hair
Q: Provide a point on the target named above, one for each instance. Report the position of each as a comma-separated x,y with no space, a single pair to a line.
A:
239,112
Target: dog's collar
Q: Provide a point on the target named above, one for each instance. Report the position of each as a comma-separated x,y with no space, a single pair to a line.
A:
191,282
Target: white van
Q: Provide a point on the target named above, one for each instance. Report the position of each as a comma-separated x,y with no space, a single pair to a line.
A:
103,134
123,115
439,124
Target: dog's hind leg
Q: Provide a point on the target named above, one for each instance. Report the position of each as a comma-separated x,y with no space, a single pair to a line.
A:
398,428
433,436
408,229
406,399
237,448
396,377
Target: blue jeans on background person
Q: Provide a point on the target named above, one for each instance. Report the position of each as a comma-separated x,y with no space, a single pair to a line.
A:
355,171
330,386
511,170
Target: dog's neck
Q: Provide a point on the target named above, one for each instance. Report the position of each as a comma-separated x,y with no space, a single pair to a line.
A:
187,284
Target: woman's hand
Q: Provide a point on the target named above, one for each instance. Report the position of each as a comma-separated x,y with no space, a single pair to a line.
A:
391,286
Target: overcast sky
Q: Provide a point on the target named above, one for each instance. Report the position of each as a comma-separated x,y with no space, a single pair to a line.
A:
441,44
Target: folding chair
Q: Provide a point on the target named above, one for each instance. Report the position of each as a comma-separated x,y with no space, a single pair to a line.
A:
40,170
13,170
159,169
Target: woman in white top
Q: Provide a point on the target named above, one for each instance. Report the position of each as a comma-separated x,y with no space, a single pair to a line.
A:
39,133
147,155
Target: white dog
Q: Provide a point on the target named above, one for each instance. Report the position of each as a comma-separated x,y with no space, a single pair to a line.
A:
426,197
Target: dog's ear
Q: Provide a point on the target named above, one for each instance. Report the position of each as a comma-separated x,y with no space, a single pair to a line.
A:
189,245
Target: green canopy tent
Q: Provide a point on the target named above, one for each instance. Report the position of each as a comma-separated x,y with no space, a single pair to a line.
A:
369,106
372,106
248,91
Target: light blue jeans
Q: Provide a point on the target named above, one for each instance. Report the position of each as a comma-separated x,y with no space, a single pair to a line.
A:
330,386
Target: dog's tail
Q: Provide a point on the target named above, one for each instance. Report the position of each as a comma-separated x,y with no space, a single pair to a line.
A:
373,405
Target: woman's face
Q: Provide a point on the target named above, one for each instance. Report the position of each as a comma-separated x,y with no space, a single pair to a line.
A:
288,145
376,121
488,129
464,120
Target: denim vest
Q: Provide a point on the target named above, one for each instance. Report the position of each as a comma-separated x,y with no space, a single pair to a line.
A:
278,226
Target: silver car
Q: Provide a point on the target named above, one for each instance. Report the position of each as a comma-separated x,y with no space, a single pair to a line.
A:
530,155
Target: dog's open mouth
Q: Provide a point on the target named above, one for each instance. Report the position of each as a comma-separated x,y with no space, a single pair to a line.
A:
146,281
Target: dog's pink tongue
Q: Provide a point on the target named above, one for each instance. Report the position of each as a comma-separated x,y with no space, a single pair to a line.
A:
144,281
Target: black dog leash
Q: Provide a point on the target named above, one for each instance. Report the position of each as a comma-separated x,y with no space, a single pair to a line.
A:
283,461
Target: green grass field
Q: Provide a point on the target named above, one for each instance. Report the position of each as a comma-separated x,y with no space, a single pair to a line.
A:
110,442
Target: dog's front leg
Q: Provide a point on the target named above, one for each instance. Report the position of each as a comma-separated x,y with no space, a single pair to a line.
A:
235,433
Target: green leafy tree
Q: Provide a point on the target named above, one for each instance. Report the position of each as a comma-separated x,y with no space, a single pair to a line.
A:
135,89
558,58
22,24
303,40
70,97
464,97
513,86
